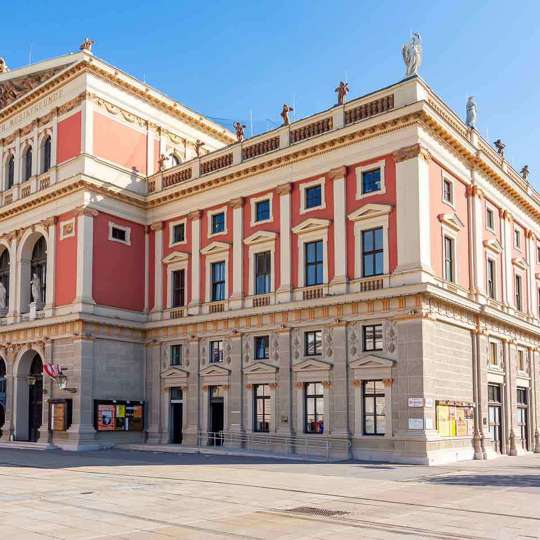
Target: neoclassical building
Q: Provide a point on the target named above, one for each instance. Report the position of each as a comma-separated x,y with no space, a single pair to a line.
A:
364,282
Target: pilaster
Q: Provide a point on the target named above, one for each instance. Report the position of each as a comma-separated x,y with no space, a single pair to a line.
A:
238,264
340,381
153,392
338,284
194,306
284,290
85,255
158,273
284,390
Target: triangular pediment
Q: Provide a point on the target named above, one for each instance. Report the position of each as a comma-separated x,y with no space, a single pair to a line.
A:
176,256
214,369
215,247
520,262
260,367
310,225
493,244
259,237
452,220
369,211
312,364
174,371
19,82
372,361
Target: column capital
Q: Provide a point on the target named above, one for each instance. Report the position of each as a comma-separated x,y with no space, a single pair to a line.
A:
474,191
236,203
505,214
284,189
338,172
86,211
410,152
157,226
196,214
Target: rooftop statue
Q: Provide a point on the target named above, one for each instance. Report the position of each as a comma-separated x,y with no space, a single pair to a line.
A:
412,55
3,65
471,113
239,129
198,147
500,146
525,172
285,114
342,90
87,44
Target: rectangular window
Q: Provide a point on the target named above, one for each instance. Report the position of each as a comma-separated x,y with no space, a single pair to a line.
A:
518,292
374,408
262,346
372,252
262,210
448,191
517,238
491,278
178,233
493,355
371,181
313,343
449,259
490,219
262,272
313,197
178,289
218,223
538,302
263,411
216,352
119,234
372,337
313,408
176,355
217,271
313,254
521,365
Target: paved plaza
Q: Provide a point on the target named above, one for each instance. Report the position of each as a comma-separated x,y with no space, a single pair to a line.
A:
140,495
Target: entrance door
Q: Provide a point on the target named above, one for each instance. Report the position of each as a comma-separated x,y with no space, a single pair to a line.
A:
216,413
176,418
494,415
35,399
522,417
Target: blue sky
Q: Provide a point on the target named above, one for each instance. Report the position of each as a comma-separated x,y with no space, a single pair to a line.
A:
227,58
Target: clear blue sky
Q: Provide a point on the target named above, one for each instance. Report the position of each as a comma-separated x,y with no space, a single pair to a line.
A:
225,58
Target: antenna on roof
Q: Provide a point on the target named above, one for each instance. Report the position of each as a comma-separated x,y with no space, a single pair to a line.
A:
294,107
30,55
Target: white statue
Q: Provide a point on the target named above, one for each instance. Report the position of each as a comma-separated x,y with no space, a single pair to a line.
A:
471,112
412,55
36,288
3,296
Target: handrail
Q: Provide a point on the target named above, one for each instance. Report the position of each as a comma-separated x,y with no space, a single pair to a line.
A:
297,445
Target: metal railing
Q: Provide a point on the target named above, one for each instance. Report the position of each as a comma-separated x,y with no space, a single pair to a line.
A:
316,446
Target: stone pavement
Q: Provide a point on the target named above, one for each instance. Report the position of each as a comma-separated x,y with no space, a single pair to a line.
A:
139,495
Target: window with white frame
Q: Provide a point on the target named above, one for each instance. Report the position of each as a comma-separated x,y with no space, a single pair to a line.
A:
372,337
521,360
313,343
538,254
262,408
177,233
491,278
449,258
312,196
518,292
261,210
10,172
370,179
28,158
178,288
46,153
517,238
313,408
263,272
448,191
119,233
217,277
490,219
176,355
217,223
372,252
374,408
313,263
493,354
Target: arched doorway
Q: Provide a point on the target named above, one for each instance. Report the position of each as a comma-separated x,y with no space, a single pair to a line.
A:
28,396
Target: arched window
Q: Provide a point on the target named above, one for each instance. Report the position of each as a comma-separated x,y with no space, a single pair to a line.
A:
46,153
10,172
38,268
4,278
27,164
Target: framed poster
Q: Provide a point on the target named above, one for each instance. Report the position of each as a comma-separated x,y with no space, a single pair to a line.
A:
60,414
119,415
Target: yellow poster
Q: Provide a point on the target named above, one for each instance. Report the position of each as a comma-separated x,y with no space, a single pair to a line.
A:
120,411
461,422
444,424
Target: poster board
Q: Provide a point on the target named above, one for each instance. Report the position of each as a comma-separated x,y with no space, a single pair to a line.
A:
454,419
60,414
118,415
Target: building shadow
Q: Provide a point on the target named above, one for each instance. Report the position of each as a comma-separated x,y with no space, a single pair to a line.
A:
487,480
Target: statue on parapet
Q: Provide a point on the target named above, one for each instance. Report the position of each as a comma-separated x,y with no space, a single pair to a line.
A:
500,146
342,90
198,147
285,114
239,130
412,55
525,172
3,65
87,45
471,113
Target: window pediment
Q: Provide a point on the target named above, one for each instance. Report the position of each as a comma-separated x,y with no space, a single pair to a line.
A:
174,371
261,367
369,211
215,370
260,237
520,262
311,225
215,247
312,364
372,361
493,244
176,256
452,220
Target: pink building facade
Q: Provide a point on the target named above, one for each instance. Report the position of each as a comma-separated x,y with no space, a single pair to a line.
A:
361,283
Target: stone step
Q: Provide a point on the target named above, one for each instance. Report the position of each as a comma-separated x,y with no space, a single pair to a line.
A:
25,445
